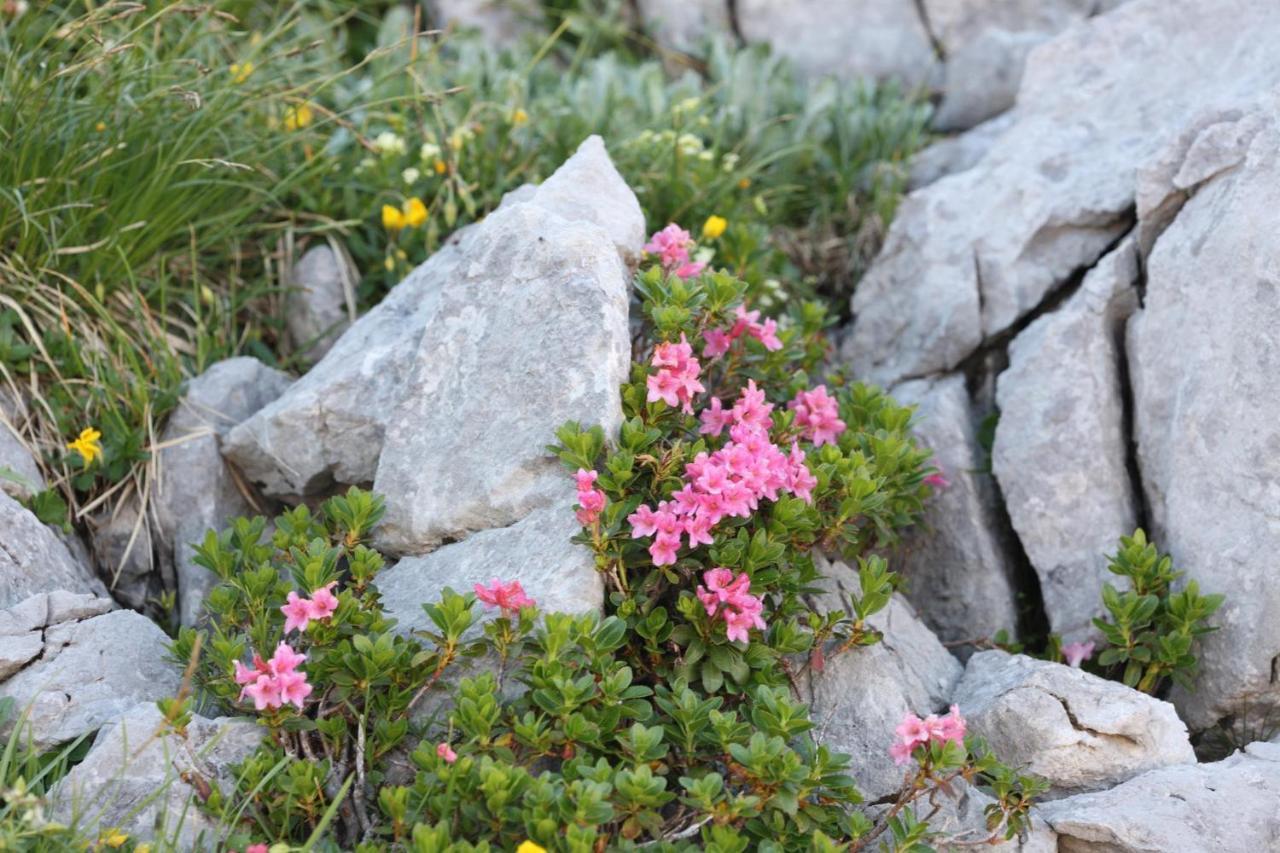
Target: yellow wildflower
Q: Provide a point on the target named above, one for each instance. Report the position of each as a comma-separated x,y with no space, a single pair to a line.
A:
415,212
240,71
714,226
392,218
744,183
297,117
389,263
87,445
113,838
519,117
142,848
530,847
439,167
100,126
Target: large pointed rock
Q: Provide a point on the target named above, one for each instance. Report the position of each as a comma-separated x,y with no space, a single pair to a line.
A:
1206,381
1076,730
969,255
1062,443
34,560
198,492
144,779
329,427
88,672
1225,807
531,332
957,565
860,695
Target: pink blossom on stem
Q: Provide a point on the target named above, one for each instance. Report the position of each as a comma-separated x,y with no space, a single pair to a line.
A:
256,848
676,380
715,417
672,245
818,414
913,732
297,612
718,341
276,682
323,602
591,501
949,728
937,479
1077,653
446,752
729,597
508,596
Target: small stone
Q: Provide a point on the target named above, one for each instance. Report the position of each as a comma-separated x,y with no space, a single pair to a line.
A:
33,559
139,777
317,309
1078,731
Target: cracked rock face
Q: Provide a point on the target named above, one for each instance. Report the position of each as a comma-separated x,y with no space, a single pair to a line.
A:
197,491
138,776
957,566
1206,375
34,560
862,694
91,666
1225,807
1061,447
330,426
1078,731
969,255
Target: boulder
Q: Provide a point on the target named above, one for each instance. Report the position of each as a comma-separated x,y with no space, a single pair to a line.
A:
89,672
861,695
684,24
197,491
1206,378
500,22
558,574
969,255
953,154
20,476
317,306
329,427
1062,444
1076,730
33,559
876,39
143,779
465,447
957,565
121,542
1225,807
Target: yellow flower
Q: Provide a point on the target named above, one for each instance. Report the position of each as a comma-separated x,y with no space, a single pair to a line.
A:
714,226
100,126
142,848
389,263
88,446
392,218
297,117
744,183
530,847
113,838
415,212
240,71
519,117
439,167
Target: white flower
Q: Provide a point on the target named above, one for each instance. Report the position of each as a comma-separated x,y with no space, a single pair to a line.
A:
428,152
689,144
410,175
388,143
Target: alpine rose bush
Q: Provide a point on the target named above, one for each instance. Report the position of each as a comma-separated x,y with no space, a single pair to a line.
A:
673,719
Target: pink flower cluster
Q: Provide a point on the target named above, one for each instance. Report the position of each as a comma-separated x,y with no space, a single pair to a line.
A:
676,380
298,612
1077,653
727,483
276,682
672,245
590,499
938,479
446,752
913,732
508,596
818,415
748,323
729,597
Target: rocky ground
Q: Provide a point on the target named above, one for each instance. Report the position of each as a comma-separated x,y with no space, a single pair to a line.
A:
1099,264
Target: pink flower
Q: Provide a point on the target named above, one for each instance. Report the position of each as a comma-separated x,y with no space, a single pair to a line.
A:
937,479
745,323
1077,653
508,596
323,602
643,522
729,597
913,732
256,848
818,415
672,245
663,549
717,343
714,418
285,660
293,688
264,691
591,501
276,682
297,613
676,381
949,728
444,751
690,269
900,752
